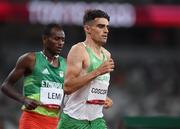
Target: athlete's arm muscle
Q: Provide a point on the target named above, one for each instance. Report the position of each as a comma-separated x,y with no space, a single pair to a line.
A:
23,67
18,72
73,79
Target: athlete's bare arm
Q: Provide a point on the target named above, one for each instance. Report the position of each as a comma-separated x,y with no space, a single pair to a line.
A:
23,67
77,63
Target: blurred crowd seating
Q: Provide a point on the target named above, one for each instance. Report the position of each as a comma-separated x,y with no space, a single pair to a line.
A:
143,88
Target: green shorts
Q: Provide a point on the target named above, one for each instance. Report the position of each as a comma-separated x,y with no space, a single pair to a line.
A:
66,122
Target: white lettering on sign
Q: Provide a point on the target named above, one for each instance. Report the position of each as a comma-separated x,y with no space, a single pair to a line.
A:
69,13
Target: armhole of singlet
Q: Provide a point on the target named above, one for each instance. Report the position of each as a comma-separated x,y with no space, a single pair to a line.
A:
90,63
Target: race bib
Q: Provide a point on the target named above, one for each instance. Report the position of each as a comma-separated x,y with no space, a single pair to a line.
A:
98,90
51,96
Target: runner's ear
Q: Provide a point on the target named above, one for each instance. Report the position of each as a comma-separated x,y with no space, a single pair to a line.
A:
87,29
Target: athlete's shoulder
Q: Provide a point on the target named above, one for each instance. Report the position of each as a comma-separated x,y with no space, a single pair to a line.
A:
78,48
29,56
26,61
106,52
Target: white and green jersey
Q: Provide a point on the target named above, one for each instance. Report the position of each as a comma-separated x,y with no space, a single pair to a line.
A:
87,102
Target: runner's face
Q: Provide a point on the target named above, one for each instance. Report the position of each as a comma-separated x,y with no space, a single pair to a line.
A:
56,41
99,30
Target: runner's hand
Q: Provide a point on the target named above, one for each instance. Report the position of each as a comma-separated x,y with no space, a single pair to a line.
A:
31,104
106,67
108,103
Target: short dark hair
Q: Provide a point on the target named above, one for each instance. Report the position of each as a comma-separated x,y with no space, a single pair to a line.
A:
92,14
47,29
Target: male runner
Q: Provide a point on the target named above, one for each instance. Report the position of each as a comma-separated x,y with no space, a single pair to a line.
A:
87,78
43,74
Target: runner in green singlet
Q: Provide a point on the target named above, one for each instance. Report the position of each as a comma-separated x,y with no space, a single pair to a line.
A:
87,77
43,74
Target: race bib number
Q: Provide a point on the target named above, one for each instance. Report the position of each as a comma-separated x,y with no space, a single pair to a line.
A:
51,97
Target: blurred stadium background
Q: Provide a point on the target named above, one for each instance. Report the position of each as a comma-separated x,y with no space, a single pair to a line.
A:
144,40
